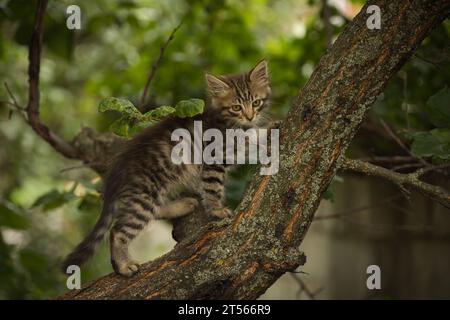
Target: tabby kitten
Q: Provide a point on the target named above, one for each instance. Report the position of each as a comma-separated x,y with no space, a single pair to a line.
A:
143,182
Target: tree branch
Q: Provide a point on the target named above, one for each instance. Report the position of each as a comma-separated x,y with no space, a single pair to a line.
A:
34,57
410,180
240,257
155,66
304,288
15,105
327,23
94,149
439,62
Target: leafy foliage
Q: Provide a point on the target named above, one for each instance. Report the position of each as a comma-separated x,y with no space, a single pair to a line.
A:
189,108
438,108
52,200
435,143
12,217
131,120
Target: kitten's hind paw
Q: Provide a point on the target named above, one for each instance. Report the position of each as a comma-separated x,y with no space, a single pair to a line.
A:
191,204
221,212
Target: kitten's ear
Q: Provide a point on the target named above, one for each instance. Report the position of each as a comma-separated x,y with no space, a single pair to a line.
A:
259,75
216,86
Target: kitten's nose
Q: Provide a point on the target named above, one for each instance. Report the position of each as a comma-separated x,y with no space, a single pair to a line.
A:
249,115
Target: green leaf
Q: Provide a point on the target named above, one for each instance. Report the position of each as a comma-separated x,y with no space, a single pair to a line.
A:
443,135
189,108
90,202
438,108
124,106
329,193
53,199
138,127
12,217
121,127
424,145
443,138
435,143
158,113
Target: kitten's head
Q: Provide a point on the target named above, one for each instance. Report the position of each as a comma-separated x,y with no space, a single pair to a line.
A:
241,97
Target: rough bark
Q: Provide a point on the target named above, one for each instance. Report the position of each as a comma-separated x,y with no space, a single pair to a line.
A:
240,257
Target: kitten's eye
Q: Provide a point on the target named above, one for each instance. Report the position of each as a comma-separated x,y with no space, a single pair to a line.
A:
257,103
236,107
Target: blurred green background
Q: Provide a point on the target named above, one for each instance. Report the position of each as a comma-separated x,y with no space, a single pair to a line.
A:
46,205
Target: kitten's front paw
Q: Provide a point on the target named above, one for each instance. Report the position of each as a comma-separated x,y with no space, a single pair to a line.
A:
275,124
221,212
126,269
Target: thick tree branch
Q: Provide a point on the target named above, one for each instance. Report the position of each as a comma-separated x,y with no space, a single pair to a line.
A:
240,257
410,180
34,57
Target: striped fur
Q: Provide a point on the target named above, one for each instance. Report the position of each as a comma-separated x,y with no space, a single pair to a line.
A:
143,183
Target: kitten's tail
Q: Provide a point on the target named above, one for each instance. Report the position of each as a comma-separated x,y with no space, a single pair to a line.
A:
88,246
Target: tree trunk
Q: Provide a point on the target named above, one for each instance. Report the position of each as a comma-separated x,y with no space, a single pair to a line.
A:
240,257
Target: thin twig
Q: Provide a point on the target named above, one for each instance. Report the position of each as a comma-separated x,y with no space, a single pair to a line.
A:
407,166
425,170
400,142
438,63
12,107
389,159
433,63
155,66
397,162
304,288
14,103
82,166
299,272
11,95
358,209
17,108
394,136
